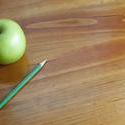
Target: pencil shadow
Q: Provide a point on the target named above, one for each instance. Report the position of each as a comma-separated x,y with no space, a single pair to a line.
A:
13,73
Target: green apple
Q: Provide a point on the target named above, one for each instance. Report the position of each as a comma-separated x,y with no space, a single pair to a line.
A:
12,41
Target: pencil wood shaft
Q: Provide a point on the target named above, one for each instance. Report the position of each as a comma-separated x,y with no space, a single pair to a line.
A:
21,84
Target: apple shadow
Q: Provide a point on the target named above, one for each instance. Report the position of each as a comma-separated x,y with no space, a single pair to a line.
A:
13,73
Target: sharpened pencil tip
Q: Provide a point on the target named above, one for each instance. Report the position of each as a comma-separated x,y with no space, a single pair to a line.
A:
43,62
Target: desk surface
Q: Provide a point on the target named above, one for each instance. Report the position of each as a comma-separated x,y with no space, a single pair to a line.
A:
84,79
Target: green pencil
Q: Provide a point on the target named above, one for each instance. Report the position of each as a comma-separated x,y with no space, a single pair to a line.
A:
21,84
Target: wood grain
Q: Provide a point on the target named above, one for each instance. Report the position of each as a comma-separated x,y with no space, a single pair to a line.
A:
83,82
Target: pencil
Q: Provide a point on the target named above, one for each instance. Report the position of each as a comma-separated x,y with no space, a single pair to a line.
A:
21,84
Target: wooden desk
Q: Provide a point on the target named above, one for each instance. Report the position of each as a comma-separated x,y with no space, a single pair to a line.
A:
84,81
